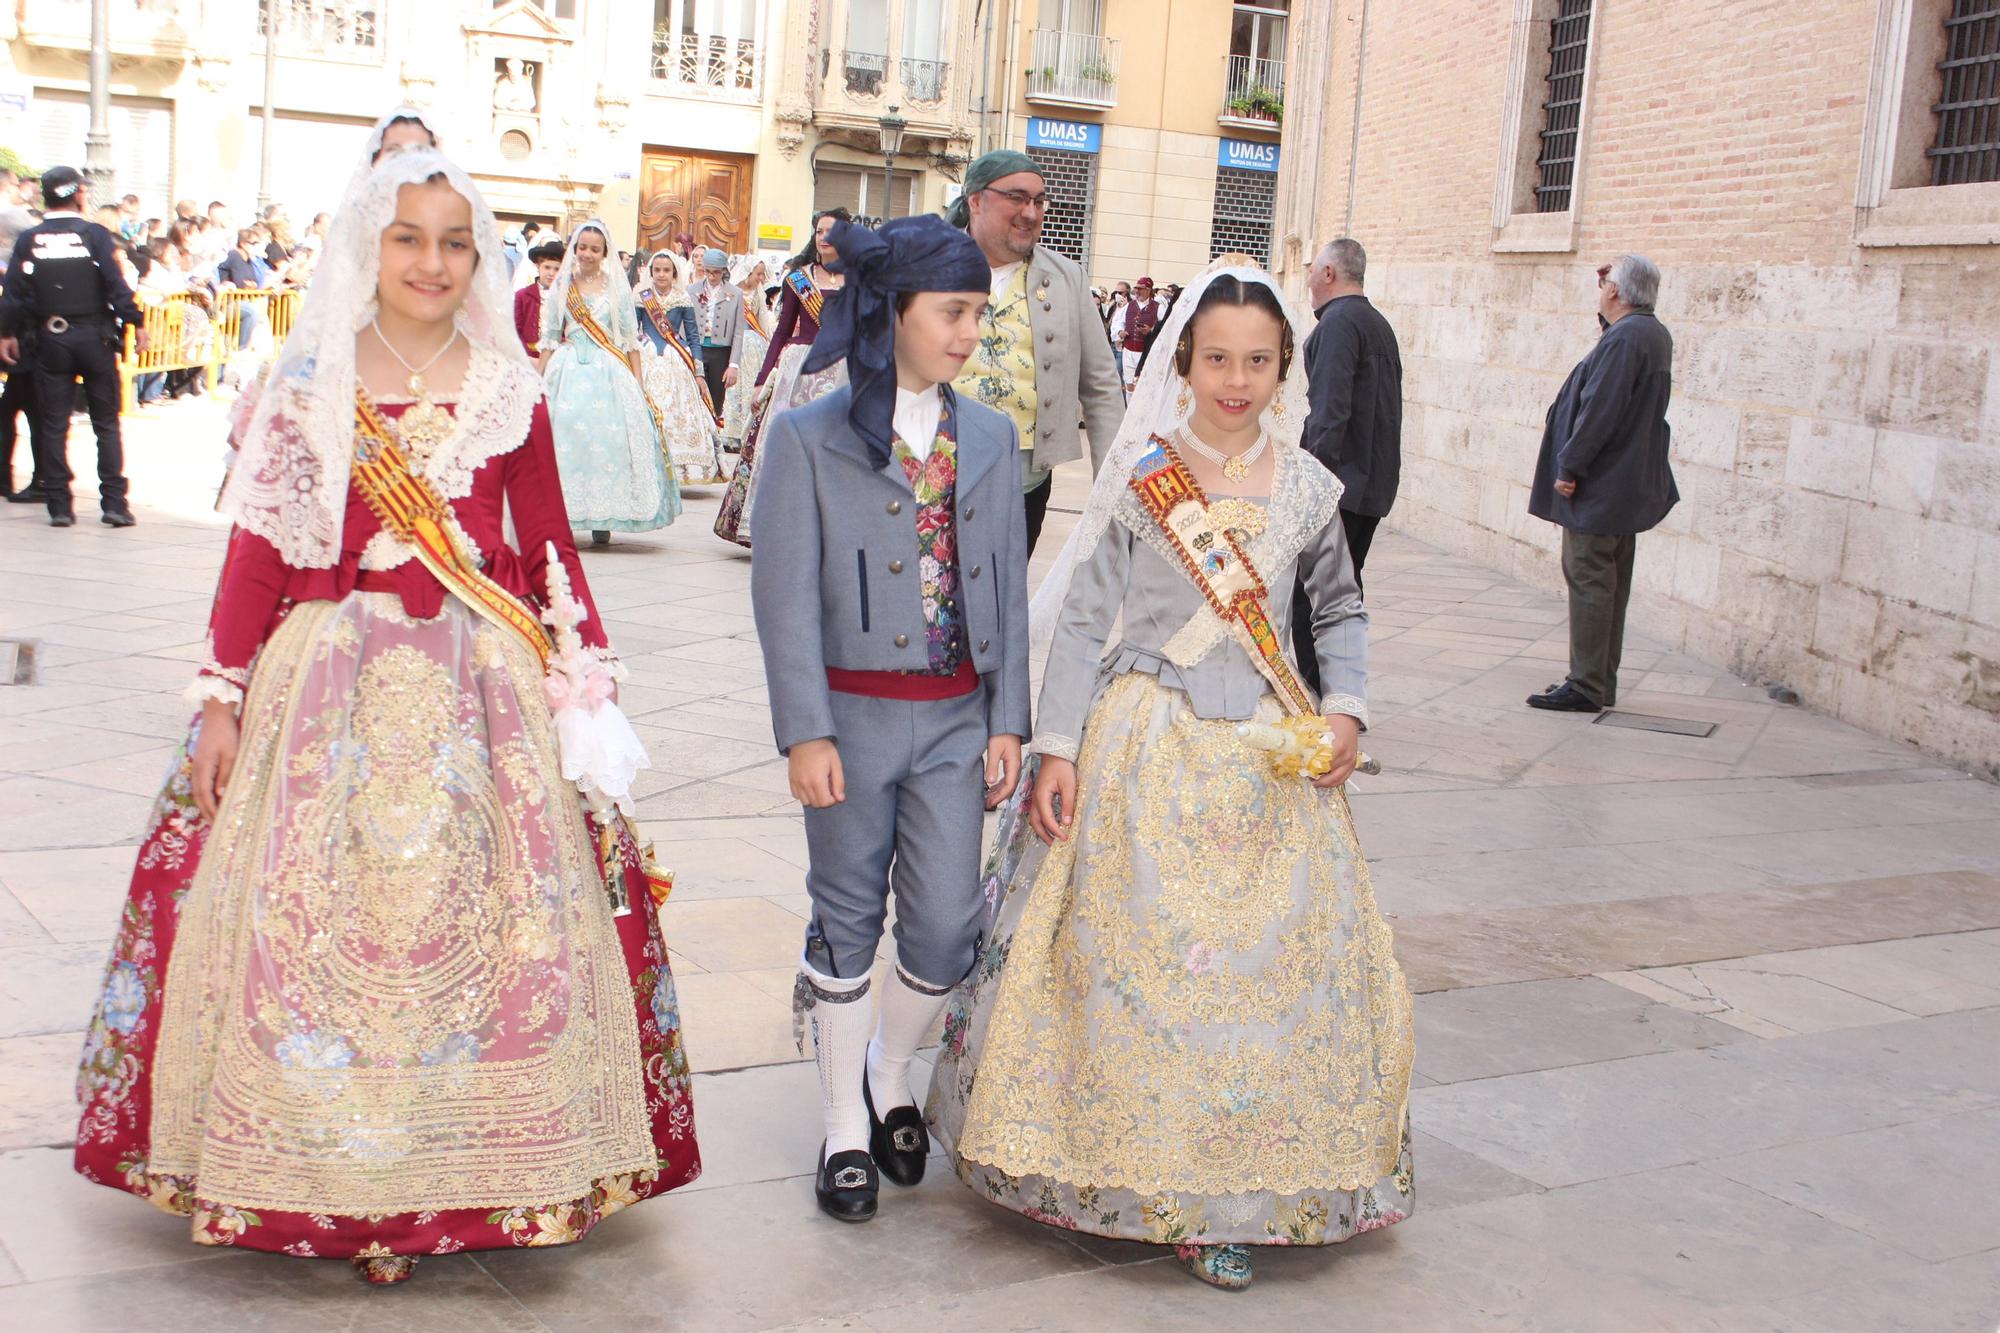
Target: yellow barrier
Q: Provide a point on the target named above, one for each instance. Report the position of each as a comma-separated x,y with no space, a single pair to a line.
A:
183,334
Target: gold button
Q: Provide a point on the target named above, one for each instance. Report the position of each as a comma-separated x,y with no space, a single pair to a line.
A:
975,571
984,644
895,566
902,640
895,506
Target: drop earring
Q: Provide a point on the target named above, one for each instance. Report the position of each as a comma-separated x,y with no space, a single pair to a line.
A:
1185,402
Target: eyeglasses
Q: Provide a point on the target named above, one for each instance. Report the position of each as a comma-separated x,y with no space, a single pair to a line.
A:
1021,198
1603,274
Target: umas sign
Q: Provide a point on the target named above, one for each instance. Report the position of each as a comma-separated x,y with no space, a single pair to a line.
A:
1073,136
1246,155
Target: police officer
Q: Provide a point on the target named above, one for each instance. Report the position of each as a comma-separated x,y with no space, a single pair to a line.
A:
17,400
64,289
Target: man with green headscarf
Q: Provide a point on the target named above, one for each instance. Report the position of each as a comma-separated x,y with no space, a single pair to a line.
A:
1042,359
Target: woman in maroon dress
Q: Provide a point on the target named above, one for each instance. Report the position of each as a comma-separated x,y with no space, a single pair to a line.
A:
375,993
782,383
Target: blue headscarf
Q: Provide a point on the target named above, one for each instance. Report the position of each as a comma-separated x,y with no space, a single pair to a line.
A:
914,254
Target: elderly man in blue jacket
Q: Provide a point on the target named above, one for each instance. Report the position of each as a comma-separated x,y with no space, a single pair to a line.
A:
1604,476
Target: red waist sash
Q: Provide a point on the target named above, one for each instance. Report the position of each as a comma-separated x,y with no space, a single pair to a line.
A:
902,685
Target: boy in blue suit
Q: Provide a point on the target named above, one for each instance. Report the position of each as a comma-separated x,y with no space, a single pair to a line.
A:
890,590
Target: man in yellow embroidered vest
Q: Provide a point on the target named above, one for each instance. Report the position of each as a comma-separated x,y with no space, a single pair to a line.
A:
1043,359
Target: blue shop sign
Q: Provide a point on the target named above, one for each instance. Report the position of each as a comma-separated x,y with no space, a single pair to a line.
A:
1073,136
1247,155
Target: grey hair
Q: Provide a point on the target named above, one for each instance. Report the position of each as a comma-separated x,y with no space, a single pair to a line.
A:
1637,279
1346,258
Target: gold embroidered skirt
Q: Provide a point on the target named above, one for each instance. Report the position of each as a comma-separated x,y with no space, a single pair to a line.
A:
1187,1024
397,984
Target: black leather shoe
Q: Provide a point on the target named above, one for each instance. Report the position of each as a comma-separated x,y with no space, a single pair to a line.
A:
119,517
1565,698
28,495
900,1144
62,520
848,1185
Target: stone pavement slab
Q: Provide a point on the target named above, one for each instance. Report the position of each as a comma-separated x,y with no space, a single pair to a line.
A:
1703,1038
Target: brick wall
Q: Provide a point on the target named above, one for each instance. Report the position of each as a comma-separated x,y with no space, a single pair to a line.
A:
1836,409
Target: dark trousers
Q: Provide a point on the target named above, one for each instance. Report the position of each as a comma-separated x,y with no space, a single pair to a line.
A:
714,365
1038,509
1598,570
1360,532
83,352
16,400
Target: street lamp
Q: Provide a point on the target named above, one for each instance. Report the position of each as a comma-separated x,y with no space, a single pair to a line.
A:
892,126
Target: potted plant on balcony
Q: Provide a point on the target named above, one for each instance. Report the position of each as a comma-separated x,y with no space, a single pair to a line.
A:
1097,71
1268,103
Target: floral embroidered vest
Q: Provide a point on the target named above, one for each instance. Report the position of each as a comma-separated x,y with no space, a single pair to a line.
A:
934,481
1001,370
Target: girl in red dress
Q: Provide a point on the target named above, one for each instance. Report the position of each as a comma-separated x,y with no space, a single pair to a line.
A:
376,995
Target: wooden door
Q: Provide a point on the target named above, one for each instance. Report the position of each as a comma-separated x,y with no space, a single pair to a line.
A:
706,194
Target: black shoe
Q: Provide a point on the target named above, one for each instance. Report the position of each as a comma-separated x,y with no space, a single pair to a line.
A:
62,520
900,1144
117,516
30,494
1565,698
848,1185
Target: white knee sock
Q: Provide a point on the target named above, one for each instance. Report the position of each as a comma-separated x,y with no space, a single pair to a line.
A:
841,1016
909,1007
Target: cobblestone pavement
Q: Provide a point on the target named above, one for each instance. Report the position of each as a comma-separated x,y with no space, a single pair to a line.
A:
1705,1032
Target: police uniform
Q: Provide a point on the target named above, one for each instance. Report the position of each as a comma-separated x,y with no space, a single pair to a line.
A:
64,290
17,399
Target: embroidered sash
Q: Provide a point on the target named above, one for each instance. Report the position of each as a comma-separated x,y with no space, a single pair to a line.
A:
1220,568
579,310
412,510
656,311
809,295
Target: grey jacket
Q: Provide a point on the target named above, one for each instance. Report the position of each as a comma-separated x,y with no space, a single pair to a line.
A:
835,579
1607,431
1131,579
728,319
1074,370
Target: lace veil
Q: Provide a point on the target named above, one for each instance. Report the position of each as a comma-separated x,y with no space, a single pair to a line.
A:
289,484
1159,405
556,300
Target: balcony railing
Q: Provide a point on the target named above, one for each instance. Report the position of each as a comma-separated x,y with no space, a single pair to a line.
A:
1073,68
923,80
323,28
1255,93
709,63
139,28
865,71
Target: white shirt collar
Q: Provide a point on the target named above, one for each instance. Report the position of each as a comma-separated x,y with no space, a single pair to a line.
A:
917,416
1003,278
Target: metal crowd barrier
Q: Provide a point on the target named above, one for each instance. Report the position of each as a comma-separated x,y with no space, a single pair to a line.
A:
184,334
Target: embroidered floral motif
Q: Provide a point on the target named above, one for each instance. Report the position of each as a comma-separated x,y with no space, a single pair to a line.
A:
934,481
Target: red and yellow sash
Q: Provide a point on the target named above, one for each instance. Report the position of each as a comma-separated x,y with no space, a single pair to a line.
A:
579,310
415,513
656,311
808,293
1219,567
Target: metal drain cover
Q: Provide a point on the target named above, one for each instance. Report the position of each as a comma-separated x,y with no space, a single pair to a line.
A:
1672,726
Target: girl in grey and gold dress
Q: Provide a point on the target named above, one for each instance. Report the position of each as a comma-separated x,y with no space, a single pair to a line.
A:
1187,1026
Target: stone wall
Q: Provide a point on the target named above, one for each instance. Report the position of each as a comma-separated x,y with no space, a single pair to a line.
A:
1836,409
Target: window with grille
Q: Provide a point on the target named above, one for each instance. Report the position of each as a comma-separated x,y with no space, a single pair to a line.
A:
1569,43
1967,146
1071,180
1245,203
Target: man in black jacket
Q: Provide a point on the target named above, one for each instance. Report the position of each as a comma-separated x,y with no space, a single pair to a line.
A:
1354,422
1604,476
64,289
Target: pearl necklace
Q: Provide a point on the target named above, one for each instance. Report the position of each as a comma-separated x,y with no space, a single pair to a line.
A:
1236,467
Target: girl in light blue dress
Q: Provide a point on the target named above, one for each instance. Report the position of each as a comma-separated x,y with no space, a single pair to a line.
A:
614,471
